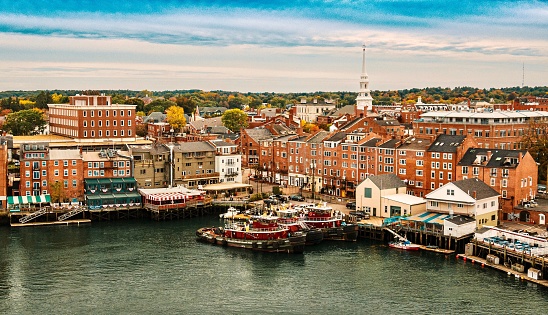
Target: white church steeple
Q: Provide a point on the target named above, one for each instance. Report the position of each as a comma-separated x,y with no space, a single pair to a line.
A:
364,101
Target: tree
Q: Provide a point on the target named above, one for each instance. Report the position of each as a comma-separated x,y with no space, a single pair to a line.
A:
176,117
25,122
43,99
235,119
57,192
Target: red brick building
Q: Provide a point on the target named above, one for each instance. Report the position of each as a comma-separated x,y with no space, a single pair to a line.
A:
92,118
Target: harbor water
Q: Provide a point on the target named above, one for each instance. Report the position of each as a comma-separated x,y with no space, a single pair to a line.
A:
145,267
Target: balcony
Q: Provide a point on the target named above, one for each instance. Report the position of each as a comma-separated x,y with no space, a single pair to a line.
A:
198,176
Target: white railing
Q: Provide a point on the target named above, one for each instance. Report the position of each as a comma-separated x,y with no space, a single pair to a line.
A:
33,215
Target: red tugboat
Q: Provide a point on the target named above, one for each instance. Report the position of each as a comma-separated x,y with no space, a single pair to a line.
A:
261,234
290,219
332,226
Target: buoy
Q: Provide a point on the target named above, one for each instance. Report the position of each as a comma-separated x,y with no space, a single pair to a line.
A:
509,273
482,265
464,258
473,261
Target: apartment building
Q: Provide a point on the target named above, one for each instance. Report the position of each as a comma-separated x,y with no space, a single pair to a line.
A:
92,118
309,111
492,129
194,164
151,165
228,162
512,173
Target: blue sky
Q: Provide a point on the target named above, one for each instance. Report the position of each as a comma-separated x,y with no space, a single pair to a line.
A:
271,46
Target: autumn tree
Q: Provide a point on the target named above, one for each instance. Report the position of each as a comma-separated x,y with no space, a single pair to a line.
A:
25,122
535,140
56,192
176,117
235,119
43,99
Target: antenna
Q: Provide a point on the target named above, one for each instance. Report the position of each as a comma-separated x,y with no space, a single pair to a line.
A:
522,74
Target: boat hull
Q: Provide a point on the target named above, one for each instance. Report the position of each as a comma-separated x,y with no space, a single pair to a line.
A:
292,244
402,246
348,233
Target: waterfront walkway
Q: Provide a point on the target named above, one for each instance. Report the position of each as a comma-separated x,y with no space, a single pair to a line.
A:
483,262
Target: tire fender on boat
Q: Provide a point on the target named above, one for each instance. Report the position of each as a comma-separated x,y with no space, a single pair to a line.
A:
275,245
254,245
224,242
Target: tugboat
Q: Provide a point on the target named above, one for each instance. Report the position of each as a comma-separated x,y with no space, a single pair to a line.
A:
289,218
261,234
332,225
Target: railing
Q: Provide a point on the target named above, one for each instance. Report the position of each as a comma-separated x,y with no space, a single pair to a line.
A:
71,213
214,174
33,215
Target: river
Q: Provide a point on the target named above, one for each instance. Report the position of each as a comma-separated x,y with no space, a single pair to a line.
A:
146,267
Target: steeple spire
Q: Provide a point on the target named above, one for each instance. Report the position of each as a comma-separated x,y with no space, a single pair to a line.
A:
364,101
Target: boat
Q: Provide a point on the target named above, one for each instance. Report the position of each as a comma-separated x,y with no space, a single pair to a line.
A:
230,213
262,233
332,224
404,244
290,219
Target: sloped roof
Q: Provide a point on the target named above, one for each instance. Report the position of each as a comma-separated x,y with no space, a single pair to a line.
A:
154,117
339,136
446,143
474,185
318,137
387,181
390,144
498,158
413,143
152,149
199,146
371,142
460,219
211,109
209,122
259,134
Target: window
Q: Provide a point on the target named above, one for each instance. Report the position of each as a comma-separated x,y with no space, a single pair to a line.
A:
367,193
450,192
465,170
434,204
419,162
419,172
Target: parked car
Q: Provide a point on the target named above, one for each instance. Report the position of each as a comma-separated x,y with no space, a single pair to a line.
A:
271,201
296,197
359,214
351,205
279,197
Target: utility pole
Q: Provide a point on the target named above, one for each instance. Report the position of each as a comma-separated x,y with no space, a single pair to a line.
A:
313,167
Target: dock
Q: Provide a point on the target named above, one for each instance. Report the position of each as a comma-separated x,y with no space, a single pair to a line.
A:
509,271
437,250
66,222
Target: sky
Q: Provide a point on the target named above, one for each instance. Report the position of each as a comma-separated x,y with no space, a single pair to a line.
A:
271,46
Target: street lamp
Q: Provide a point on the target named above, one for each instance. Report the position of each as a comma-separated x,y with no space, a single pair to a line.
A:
313,167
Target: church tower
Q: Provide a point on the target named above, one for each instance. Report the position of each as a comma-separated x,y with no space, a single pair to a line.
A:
364,101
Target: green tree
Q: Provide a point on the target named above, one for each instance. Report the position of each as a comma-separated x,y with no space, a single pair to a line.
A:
25,122
159,105
235,119
43,99
176,117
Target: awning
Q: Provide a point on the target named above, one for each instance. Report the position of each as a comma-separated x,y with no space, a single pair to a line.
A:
114,196
16,200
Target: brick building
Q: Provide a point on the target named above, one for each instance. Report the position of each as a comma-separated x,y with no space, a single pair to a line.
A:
92,118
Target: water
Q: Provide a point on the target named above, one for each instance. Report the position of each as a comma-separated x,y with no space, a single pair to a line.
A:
143,267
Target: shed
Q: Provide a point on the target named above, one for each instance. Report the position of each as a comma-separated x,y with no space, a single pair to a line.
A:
534,273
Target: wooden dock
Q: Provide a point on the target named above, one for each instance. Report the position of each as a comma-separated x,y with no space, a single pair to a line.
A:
437,250
66,222
483,262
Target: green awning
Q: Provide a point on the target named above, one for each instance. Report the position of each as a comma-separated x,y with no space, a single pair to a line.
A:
16,200
113,196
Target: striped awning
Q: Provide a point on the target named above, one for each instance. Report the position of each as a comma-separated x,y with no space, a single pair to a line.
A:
16,200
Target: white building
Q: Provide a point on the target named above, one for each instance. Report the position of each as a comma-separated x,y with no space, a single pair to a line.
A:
370,193
458,226
228,162
469,197
364,101
309,112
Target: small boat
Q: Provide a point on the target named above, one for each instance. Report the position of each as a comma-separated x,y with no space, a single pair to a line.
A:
261,234
404,244
230,213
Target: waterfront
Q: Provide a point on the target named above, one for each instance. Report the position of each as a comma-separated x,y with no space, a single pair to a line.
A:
158,267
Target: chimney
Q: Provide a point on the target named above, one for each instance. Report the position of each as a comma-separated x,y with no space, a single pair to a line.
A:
474,195
489,155
520,156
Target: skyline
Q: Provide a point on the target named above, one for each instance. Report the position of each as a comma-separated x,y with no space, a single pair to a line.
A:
250,46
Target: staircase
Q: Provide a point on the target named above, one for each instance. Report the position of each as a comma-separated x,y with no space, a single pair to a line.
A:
33,215
71,213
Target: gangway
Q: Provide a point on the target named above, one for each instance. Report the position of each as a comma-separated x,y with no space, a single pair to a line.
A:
71,213
396,235
33,215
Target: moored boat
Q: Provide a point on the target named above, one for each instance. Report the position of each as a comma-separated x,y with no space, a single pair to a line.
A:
261,234
332,225
404,244
290,219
